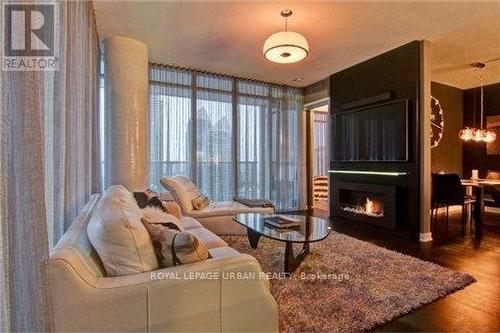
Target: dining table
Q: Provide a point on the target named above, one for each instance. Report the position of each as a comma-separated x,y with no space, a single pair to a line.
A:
477,186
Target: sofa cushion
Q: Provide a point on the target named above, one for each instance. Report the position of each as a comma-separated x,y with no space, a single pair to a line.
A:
175,247
189,223
117,234
207,237
182,189
156,215
223,208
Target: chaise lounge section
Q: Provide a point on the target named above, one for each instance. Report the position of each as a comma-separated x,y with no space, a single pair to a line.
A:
217,216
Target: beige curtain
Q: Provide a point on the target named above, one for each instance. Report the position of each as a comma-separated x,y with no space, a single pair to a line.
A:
48,165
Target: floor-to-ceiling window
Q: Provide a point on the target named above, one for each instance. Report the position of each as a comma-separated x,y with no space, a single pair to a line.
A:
285,146
214,153
233,137
252,141
170,119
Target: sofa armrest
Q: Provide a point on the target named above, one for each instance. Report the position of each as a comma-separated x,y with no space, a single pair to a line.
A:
173,208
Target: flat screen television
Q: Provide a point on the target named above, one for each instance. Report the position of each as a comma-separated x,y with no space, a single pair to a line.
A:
377,133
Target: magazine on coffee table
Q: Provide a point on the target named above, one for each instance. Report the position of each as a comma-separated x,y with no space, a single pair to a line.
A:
283,221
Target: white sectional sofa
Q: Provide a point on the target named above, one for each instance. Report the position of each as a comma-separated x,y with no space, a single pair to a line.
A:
218,216
197,297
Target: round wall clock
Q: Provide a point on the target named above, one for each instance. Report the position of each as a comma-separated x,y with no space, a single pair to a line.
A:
437,122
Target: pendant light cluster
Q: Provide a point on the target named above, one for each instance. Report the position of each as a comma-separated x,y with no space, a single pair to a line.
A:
480,134
285,47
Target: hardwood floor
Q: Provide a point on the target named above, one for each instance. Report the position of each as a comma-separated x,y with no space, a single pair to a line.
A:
473,309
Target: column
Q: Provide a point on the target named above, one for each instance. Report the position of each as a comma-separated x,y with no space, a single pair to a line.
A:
126,115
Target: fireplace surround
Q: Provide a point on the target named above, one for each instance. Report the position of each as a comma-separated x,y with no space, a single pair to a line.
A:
372,203
387,78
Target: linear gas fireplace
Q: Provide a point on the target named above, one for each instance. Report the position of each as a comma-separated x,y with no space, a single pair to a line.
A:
370,203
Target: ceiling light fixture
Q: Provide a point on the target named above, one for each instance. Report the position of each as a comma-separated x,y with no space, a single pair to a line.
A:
285,47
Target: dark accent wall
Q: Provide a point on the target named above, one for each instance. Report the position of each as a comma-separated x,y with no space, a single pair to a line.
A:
474,154
397,72
447,156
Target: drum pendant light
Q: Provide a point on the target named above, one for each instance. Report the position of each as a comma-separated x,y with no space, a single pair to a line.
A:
285,47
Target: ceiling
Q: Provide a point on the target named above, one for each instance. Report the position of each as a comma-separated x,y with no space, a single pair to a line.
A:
227,37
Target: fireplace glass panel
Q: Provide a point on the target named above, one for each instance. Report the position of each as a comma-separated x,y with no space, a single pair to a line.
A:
361,203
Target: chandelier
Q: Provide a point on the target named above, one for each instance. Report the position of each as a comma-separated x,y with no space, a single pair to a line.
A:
480,134
285,47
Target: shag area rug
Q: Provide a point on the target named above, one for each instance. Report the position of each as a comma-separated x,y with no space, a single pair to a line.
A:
348,285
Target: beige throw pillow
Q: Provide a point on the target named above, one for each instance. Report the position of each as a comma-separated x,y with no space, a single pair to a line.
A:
119,237
200,201
175,247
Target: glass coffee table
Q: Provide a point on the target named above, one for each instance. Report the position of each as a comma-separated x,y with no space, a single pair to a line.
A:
311,229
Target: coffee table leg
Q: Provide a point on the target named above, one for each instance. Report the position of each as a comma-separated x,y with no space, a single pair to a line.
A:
253,238
292,261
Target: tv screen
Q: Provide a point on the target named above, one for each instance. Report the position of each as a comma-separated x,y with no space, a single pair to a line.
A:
372,133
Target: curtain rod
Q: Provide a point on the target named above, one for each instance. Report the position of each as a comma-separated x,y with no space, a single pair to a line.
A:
224,75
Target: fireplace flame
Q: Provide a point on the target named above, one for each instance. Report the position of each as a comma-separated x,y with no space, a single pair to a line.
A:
369,206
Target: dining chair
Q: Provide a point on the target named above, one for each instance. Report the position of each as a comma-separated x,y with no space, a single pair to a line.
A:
447,190
492,192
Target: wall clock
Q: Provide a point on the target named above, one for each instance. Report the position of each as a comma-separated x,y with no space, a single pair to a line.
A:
437,122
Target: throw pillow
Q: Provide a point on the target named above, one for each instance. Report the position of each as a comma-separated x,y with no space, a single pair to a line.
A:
200,201
118,235
143,198
155,215
150,198
175,247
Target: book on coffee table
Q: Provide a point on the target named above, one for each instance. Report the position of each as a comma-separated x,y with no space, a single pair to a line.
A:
283,221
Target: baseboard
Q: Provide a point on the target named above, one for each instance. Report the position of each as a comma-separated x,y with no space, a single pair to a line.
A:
425,237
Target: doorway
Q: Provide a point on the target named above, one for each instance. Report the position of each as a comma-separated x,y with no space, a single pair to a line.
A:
319,156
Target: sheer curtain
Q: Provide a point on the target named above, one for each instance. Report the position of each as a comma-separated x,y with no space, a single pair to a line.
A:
48,151
170,120
71,130
253,140
235,136
320,137
24,297
214,107
285,143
